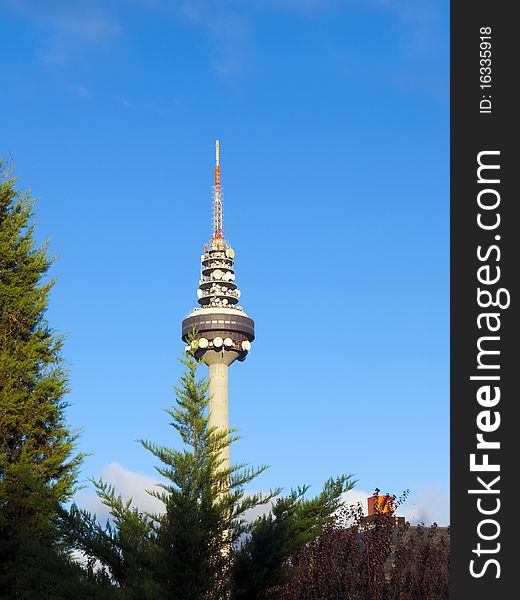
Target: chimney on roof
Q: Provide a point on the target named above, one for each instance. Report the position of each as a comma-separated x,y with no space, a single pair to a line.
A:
380,505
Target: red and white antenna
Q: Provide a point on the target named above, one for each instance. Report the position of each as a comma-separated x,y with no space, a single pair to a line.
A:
217,198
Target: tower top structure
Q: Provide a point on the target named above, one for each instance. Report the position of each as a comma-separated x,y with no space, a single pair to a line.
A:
218,292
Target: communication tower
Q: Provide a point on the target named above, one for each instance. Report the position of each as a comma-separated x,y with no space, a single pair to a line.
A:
224,332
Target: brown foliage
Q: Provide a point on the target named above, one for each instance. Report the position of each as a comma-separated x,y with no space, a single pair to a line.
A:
371,558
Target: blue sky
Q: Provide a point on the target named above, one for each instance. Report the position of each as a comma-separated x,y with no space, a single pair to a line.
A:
334,122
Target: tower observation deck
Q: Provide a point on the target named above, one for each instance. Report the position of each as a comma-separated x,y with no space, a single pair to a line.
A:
224,332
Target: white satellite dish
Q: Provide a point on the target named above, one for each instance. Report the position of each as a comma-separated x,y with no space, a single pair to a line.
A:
233,276
217,274
217,342
246,345
238,293
200,293
203,343
224,302
228,342
230,253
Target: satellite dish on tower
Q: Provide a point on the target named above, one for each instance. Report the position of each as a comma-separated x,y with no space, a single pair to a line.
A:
230,253
217,274
217,342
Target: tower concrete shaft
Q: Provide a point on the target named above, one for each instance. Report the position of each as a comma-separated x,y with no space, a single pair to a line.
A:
218,409
223,331
218,404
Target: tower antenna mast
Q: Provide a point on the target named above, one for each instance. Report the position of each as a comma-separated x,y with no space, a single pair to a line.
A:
217,198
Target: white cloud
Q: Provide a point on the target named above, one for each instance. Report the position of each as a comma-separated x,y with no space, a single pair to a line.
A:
130,485
70,29
71,35
254,513
354,497
420,20
227,27
146,105
427,505
81,91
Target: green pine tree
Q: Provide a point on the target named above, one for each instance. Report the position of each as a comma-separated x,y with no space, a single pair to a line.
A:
122,555
261,564
38,465
205,503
